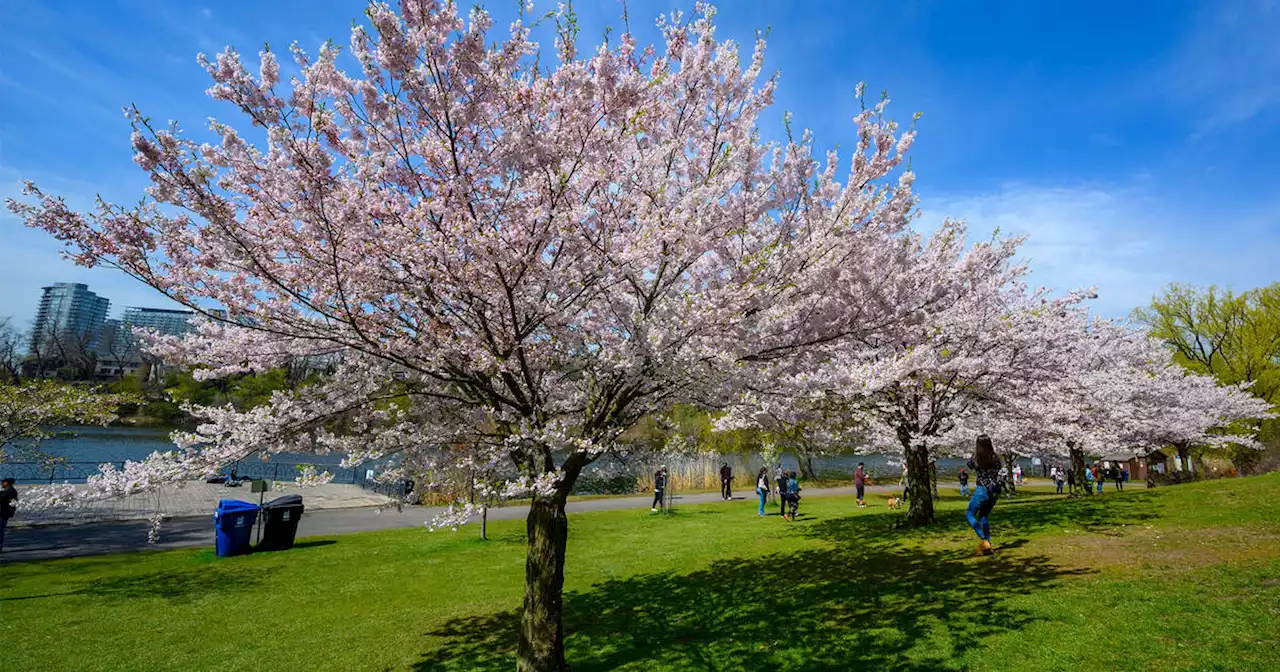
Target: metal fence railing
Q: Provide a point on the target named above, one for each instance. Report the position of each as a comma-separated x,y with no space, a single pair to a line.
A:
57,471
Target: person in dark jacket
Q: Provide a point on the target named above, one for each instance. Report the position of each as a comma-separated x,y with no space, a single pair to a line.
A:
964,482
793,495
659,486
726,480
986,467
8,495
860,482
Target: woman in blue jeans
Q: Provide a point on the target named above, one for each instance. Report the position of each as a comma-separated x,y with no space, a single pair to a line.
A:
985,465
762,487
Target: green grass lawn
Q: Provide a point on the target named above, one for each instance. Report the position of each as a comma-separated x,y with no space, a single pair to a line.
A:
1178,578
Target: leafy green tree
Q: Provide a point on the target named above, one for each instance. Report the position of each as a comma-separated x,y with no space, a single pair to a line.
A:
1234,337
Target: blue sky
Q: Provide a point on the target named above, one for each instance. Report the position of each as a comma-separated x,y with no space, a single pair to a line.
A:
1136,143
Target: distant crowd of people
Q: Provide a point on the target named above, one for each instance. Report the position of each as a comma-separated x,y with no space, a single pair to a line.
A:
990,475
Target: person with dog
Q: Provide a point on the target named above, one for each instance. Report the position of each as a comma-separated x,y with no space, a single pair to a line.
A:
762,487
8,495
860,483
964,482
986,468
793,495
726,481
659,486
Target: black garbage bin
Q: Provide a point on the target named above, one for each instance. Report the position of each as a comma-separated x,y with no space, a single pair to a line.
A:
280,522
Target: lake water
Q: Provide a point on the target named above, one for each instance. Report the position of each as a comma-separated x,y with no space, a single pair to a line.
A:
94,445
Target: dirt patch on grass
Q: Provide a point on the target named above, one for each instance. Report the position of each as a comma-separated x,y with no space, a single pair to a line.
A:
1144,548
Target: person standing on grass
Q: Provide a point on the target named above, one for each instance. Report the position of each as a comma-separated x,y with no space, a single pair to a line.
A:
8,495
726,481
986,467
1071,481
1089,472
860,483
659,486
780,480
762,487
1118,477
964,482
793,495
1057,479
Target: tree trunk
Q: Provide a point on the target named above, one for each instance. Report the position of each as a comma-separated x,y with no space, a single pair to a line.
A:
806,465
919,499
1010,482
933,479
1184,459
541,646
484,523
1077,467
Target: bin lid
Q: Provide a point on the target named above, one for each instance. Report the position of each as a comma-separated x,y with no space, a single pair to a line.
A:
235,506
283,501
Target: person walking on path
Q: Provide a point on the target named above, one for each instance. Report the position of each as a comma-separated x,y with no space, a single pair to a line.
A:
659,486
793,495
8,495
860,482
726,481
762,487
964,482
986,467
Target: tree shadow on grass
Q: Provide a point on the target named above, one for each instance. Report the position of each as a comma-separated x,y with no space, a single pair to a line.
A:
875,599
168,585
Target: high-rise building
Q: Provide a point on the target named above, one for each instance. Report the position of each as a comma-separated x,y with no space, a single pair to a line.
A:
118,351
163,320
70,316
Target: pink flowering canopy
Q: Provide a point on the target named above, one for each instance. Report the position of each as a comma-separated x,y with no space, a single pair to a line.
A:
522,258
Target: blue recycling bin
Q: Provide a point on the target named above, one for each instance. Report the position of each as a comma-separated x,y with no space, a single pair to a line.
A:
233,523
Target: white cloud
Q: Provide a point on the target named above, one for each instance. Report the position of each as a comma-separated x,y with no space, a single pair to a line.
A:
1124,240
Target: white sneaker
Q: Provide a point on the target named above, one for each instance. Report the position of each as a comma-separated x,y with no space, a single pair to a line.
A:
654,509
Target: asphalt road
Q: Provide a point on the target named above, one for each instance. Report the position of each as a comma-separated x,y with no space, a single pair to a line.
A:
64,541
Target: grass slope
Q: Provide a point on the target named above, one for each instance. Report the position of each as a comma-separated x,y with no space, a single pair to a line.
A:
1178,578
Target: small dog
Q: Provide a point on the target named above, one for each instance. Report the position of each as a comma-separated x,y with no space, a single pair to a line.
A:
895,503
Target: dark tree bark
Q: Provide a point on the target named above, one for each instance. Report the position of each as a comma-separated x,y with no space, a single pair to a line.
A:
806,464
1077,467
933,479
1184,458
541,646
919,498
1010,482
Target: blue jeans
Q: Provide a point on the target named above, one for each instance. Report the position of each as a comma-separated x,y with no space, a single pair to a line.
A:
979,508
1099,487
964,489
763,495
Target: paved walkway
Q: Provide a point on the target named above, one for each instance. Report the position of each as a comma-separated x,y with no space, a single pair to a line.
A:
198,499
62,541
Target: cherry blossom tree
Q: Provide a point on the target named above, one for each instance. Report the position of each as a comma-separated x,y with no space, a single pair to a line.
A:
1120,388
519,251
984,338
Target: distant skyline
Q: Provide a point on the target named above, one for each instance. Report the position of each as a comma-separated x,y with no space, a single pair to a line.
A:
1135,143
